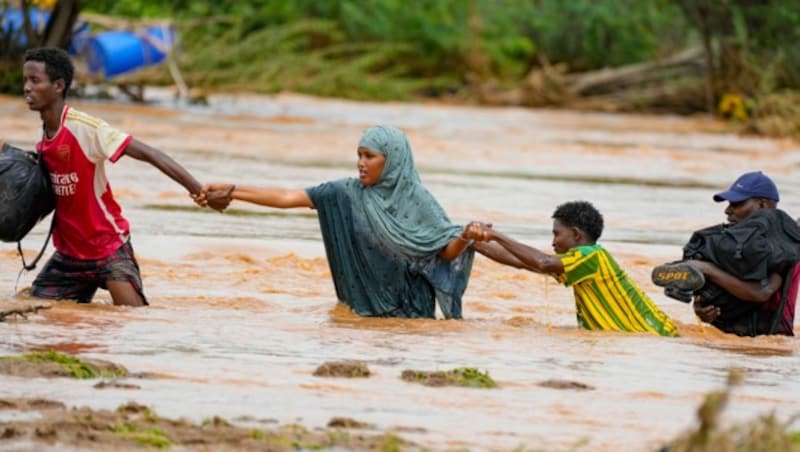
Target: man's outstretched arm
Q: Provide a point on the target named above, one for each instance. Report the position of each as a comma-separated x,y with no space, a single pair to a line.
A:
165,163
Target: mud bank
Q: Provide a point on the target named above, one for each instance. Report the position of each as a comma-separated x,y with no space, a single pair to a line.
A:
41,422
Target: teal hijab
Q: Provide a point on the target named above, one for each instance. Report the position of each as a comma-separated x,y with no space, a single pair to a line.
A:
399,209
382,241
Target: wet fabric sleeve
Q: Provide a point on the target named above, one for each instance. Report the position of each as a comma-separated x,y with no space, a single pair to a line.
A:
449,280
578,265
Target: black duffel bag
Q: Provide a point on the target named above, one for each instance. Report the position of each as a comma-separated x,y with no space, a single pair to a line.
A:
26,196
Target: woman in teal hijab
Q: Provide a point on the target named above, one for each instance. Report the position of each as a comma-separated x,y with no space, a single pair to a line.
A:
391,248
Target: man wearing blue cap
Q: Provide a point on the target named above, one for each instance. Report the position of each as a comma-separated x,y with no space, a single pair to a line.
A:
750,193
754,186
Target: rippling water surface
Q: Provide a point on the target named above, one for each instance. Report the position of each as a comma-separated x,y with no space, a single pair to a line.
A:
243,308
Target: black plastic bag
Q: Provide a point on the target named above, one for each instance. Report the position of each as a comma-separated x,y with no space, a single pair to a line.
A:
26,196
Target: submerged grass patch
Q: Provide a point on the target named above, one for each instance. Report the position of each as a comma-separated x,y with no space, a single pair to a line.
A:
462,376
299,438
293,436
71,365
151,437
391,443
133,424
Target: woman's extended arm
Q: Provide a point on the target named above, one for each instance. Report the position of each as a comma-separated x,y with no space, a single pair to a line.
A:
454,248
265,196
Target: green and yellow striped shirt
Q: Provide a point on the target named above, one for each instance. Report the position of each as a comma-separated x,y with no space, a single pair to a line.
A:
605,298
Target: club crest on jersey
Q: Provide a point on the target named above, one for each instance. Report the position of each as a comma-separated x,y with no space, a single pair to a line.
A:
63,153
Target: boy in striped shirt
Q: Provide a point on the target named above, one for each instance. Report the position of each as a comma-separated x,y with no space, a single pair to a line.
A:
605,297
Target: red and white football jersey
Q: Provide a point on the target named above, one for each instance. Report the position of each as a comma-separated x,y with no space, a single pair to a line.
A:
88,221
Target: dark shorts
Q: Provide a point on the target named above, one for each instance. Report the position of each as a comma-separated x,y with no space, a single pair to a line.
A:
68,278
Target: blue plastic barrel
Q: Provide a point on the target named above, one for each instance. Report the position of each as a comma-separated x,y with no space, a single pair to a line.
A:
113,53
14,22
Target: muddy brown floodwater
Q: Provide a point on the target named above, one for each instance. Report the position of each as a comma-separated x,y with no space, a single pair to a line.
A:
243,307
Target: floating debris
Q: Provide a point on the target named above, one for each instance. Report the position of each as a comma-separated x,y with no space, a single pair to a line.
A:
346,422
115,385
21,308
566,384
344,369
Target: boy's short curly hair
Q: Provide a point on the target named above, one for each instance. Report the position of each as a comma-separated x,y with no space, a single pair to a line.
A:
582,215
57,64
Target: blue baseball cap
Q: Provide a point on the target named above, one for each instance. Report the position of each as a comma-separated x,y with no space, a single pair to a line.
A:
749,185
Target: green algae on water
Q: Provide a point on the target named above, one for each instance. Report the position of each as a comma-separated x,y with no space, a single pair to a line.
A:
462,376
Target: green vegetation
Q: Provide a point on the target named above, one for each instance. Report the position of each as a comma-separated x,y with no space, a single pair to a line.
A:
292,436
75,367
753,73
384,49
391,443
775,114
463,376
151,437
298,437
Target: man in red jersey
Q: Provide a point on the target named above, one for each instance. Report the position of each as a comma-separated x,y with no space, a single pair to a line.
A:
91,236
